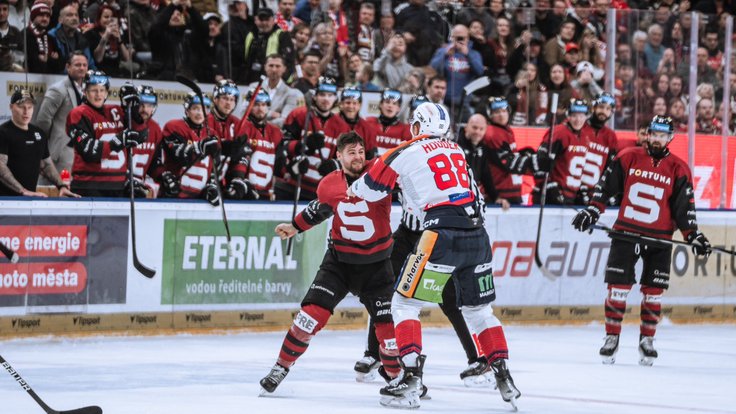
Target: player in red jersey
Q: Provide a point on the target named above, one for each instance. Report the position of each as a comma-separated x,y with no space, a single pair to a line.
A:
564,158
357,261
506,163
98,139
348,119
390,131
144,155
188,153
221,120
657,198
262,138
297,156
601,148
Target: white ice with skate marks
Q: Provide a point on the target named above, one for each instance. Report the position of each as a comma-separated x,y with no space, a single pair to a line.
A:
557,369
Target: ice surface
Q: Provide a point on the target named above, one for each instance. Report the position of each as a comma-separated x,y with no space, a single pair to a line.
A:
557,369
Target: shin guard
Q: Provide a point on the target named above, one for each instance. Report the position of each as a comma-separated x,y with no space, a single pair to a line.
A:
310,320
387,349
651,310
616,307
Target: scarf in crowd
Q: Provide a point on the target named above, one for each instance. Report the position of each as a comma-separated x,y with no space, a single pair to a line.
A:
42,39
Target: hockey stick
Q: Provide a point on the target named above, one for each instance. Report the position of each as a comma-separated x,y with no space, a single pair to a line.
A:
468,90
298,190
93,409
250,103
215,159
10,254
140,267
639,238
538,260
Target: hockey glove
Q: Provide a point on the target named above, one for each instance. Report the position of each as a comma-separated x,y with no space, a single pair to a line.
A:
299,166
554,194
116,143
139,189
701,245
583,195
241,189
315,142
128,95
328,166
208,146
132,139
169,184
585,219
212,194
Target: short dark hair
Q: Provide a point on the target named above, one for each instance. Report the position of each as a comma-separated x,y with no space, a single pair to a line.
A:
348,138
367,5
74,54
436,78
276,56
312,52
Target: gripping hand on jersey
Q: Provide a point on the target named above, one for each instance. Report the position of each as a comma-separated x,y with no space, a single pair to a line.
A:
140,190
241,189
701,245
585,219
208,146
212,194
315,141
299,166
169,184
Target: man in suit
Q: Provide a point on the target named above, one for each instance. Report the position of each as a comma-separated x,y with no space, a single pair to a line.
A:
283,98
59,100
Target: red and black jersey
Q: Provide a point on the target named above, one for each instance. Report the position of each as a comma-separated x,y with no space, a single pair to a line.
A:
194,172
95,165
506,163
225,129
388,136
601,149
567,156
145,154
263,142
657,193
337,125
361,230
294,125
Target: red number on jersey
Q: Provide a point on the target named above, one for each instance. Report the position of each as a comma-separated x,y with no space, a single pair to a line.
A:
444,175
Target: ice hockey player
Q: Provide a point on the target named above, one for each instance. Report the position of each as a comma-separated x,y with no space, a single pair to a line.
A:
262,138
356,261
221,120
144,155
564,158
454,248
99,140
303,156
657,199
390,131
601,148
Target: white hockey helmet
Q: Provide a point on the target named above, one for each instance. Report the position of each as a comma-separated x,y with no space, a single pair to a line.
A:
433,119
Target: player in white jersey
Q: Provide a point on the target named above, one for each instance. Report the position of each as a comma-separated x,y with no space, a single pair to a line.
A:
454,247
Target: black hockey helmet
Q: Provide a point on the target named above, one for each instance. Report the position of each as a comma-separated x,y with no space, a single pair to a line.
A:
262,97
326,84
148,95
662,124
95,77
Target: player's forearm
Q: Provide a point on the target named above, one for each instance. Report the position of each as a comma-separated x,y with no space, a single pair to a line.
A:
6,176
48,170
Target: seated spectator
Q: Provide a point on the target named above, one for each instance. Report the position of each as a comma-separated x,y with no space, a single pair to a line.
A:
712,46
424,31
547,22
334,57
339,22
285,18
9,34
676,89
238,26
528,50
705,91
528,98
24,152
653,50
458,63
178,33
584,84
678,113
267,39
7,58
308,10
705,73
300,36
559,85
354,65
571,60
706,121
310,72
42,53
365,35
214,53
108,44
667,65
623,53
639,57
554,49
478,12
391,67
384,33
591,49
502,45
659,107
661,85
677,43
412,85
481,45
436,89
283,98
67,36
364,78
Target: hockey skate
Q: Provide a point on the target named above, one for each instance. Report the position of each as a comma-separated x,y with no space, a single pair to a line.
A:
609,349
477,374
405,390
366,369
273,379
423,396
647,353
504,383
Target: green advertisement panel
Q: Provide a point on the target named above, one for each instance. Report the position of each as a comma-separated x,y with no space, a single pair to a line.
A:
199,269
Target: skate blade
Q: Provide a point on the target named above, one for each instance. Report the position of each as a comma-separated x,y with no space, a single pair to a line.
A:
366,377
646,361
409,401
264,393
478,381
514,407
608,360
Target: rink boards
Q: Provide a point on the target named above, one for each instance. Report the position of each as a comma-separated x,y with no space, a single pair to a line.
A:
76,274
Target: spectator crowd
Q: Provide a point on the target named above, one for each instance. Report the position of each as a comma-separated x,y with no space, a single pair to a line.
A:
325,54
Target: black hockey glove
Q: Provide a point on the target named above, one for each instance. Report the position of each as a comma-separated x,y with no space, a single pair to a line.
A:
585,219
169,184
554,194
116,143
132,139
139,188
212,194
315,142
328,166
241,189
208,146
300,165
128,95
701,245
583,195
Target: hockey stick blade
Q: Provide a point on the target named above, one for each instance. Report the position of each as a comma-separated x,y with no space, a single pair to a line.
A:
92,409
189,83
141,268
10,254
538,260
477,84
